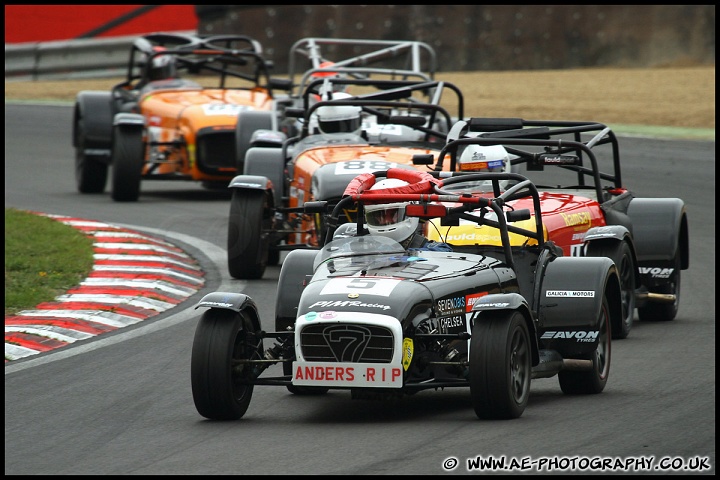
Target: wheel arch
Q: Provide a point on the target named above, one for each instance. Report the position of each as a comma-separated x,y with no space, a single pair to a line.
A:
95,108
236,302
660,228
129,120
570,299
249,121
495,302
268,164
613,233
296,266
254,183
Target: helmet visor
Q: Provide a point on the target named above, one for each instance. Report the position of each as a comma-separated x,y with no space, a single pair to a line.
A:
340,126
383,217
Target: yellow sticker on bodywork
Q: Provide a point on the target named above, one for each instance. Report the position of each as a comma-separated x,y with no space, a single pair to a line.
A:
408,349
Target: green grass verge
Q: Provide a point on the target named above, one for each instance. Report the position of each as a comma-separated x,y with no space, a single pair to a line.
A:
43,259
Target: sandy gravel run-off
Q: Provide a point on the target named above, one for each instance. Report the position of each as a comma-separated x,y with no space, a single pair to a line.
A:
671,97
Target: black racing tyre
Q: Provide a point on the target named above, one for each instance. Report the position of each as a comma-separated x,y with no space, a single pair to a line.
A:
296,267
621,254
247,243
247,123
664,312
500,365
128,156
220,383
583,382
90,173
307,391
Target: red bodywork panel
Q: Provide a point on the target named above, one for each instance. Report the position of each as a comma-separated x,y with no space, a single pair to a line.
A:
567,218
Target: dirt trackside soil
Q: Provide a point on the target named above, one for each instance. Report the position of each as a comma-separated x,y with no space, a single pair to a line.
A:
671,97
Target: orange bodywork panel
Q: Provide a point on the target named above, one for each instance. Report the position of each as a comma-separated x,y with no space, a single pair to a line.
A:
173,118
349,161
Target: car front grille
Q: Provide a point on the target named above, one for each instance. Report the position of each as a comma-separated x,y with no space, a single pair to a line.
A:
215,149
354,343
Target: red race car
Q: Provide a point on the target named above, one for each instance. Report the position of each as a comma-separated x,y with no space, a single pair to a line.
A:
586,209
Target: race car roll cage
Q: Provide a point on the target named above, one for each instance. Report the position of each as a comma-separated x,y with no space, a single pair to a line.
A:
567,153
429,200
384,104
377,57
225,55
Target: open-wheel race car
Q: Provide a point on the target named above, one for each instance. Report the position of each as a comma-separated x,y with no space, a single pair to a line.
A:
174,116
340,136
313,58
317,57
587,210
367,315
364,63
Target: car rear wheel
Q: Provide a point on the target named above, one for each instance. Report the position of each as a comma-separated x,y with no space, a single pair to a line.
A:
573,382
90,173
666,311
128,155
620,253
500,365
247,123
273,257
247,244
220,382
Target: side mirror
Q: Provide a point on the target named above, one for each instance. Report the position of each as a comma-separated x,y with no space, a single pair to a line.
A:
319,206
517,215
423,159
281,84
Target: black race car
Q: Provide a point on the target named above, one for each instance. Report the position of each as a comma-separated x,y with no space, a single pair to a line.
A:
366,315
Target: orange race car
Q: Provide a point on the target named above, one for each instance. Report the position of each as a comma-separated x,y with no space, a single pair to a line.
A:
175,115
340,137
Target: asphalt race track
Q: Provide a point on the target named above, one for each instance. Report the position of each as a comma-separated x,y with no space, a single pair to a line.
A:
121,403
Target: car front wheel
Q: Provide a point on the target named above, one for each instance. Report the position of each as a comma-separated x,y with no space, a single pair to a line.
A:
90,173
620,253
221,382
247,243
500,365
592,381
128,155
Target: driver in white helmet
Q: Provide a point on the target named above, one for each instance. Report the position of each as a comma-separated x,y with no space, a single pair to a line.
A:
162,67
483,158
389,220
334,119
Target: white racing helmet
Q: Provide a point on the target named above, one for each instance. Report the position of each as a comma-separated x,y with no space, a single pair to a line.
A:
389,219
339,118
484,158
163,67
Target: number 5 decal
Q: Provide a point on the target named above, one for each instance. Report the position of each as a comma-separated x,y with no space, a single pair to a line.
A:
381,287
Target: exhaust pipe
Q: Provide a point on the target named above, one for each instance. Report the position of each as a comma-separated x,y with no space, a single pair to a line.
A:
655,297
574,364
